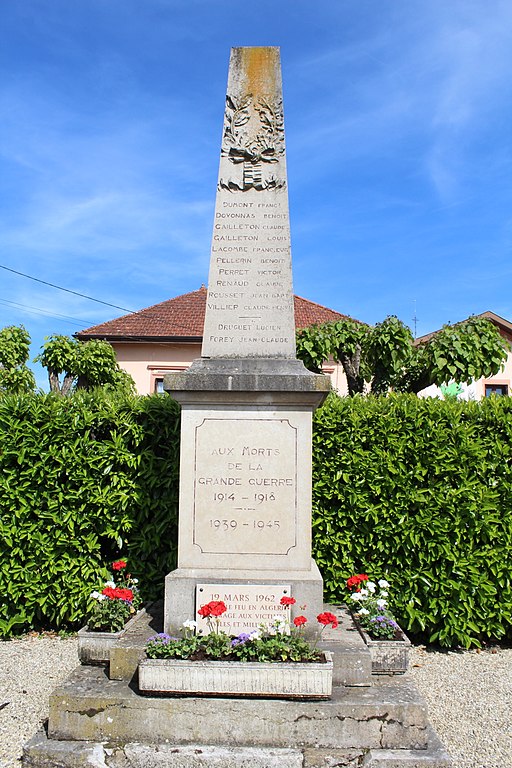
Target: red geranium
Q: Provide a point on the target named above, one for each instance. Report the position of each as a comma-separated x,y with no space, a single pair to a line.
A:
356,580
213,608
119,565
299,621
327,618
118,593
217,608
288,601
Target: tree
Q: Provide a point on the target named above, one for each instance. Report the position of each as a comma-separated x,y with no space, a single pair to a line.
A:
15,376
85,365
385,356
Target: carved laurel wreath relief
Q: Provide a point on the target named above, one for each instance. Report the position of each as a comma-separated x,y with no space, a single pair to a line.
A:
253,140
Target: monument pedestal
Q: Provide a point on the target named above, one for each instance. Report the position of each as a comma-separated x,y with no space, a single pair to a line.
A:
369,722
181,596
245,488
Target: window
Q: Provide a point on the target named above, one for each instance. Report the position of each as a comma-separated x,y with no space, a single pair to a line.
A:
159,387
496,389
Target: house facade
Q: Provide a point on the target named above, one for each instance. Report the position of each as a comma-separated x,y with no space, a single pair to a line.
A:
167,337
501,384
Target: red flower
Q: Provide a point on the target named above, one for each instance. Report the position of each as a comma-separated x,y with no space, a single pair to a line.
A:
327,618
217,608
118,593
299,621
119,565
288,601
213,608
356,580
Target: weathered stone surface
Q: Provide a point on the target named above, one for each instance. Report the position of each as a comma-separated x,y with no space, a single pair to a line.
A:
434,756
200,756
89,706
284,381
129,650
351,657
42,752
332,758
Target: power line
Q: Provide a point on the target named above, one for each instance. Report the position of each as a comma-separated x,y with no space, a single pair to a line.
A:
39,311
67,290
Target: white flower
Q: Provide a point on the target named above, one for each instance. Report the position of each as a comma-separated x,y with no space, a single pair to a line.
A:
255,634
102,597
190,624
111,584
370,586
356,596
135,581
95,595
363,592
383,583
384,592
281,625
364,611
382,603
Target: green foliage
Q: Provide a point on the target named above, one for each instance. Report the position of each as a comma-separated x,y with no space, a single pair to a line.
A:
385,357
15,377
259,646
109,616
82,480
419,492
85,365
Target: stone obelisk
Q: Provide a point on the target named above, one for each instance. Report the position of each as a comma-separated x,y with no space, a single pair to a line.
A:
247,403
249,312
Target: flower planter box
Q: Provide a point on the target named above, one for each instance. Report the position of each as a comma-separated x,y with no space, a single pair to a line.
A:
237,678
389,657
94,647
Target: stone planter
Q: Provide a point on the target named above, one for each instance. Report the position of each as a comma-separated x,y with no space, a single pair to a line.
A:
237,678
94,647
389,657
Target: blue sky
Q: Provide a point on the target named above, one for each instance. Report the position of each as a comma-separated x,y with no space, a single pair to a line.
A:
398,119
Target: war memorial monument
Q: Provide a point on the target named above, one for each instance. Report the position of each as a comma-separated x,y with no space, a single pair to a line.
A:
244,513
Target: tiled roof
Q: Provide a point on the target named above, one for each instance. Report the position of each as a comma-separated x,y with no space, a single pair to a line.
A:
183,317
504,327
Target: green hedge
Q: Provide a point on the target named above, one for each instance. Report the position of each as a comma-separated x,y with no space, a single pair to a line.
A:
416,491
83,479
419,491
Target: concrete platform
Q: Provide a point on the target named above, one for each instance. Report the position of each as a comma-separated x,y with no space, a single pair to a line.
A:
97,721
41,752
90,706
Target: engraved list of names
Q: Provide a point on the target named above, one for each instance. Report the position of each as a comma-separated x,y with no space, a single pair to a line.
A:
249,310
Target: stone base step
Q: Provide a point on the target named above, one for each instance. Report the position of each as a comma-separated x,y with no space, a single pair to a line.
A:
88,706
41,752
435,756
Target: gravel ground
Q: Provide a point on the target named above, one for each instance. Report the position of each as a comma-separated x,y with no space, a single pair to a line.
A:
469,696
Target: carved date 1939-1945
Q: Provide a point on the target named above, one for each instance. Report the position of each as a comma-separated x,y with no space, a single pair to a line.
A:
232,525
